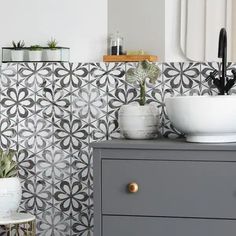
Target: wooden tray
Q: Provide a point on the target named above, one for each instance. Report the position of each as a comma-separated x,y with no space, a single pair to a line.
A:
129,58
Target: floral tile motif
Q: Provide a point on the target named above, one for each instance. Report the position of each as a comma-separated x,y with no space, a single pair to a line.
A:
8,132
181,76
89,103
71,134
26,164
98,130
36,195
53,103
35,133
53,222
107,75
169,131
17,103
71,196
8,75
81,165
82,224
71,76
35,75
52,165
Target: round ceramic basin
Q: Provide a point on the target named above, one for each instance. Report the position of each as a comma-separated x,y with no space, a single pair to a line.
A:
205,119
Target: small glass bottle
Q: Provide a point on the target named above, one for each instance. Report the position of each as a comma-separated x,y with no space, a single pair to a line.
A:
116,44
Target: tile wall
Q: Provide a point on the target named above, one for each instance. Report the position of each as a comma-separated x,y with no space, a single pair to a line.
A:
51,112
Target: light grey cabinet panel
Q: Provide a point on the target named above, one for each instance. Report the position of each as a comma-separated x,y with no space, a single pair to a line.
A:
184,189
150,226
169,188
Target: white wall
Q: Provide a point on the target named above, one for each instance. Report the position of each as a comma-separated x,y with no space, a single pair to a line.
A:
78,24
141,22
173,50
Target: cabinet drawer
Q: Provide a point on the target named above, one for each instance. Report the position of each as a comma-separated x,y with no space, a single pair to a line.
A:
150,226
169,188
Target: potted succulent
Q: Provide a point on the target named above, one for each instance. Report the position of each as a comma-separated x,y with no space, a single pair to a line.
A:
17,53
10,187
35,53
53,53
140,121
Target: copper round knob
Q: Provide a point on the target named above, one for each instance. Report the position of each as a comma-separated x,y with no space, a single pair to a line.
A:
133,187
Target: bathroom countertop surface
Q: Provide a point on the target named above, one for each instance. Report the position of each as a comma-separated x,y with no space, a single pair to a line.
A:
162,144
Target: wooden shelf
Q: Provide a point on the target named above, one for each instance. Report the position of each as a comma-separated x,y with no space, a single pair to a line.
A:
129,58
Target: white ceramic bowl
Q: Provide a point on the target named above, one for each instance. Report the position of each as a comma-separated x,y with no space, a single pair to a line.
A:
208,119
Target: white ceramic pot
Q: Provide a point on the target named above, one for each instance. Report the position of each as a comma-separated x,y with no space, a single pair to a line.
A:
53,55
35,55
17,55
139,122
10,196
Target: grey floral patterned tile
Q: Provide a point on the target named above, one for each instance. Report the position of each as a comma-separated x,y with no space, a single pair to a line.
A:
18,103
169,131
26,164
98,130
35,133
89,103
181,76
81,165
113,129
52,165
71,134
71,76
8,75
8,132
71,196
82,224
53,103
36,195
107,75
53,222
35,75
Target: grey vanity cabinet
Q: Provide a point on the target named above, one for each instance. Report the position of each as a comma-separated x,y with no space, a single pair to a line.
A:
164,188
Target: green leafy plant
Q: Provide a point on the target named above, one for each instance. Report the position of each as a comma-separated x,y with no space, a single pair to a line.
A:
18,45
8,167
52,44
144,70
35,48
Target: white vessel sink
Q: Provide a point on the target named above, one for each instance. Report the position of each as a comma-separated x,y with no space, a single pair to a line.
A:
204,119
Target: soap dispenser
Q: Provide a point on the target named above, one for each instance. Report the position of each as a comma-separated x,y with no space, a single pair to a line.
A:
116,44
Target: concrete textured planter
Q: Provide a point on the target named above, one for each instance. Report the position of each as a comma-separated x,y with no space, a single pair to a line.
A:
10,196
139,122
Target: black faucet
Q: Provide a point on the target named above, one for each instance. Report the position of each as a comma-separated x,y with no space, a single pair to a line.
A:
223,84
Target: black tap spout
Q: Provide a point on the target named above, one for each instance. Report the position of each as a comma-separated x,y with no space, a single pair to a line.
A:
222,53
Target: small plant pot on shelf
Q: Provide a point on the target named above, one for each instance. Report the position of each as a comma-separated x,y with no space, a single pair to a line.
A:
17,55
139,122
53,55
10,196
35,55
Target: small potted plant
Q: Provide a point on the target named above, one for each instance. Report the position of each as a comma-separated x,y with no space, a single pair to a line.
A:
17,53
10,187
53,52
140,121
35,53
